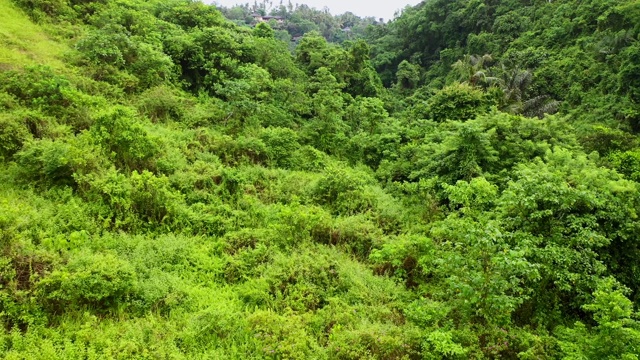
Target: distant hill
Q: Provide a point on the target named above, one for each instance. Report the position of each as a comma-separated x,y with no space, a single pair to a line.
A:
293,21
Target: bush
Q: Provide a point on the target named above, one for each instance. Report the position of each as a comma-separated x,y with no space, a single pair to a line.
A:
280,144
248,250
247,149
152,66
627,163
357,234
606,140
44,10
40,125
58,162
41,89
107,46
13,133
283,336
162,103
205,113
617,333
112,49
372,341
308,158
399,256
457,102
216,325
242,150
343,189
140,200
296,223
37,86
124,139
19,272
99,282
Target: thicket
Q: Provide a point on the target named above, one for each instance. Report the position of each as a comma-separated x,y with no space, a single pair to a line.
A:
462,185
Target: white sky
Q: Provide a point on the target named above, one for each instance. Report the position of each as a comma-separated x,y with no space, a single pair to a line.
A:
376,8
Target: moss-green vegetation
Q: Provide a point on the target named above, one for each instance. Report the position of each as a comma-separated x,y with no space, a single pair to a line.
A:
23,42
176,186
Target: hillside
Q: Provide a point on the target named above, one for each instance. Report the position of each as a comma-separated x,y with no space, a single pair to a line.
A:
22,42
176,186
291,22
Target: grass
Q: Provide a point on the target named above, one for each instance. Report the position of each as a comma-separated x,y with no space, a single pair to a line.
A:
24,43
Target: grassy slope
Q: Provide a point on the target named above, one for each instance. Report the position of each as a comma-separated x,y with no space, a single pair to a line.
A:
209,317
24,43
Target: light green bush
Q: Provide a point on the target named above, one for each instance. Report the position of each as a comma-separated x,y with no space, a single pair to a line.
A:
97,282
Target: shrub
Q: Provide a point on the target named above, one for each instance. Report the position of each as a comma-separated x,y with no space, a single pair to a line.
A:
152,66
205,113
249,150
308,158
142,199
13,133
457,102
108,46
248,249
617,333
19,271
399,256
162,103
606,140
124,138
372,341
280,144
357,234
37,86
296,223
58,162
304,280
216,325
100,282
42,10
41,89
40,125
283,336
627,163
342,189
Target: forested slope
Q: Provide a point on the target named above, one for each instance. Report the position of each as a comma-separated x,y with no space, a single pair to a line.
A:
174,186
293,21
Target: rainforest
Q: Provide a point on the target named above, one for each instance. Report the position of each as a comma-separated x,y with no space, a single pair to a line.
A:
185,181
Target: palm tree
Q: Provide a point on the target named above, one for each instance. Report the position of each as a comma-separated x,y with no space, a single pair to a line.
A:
514,84
473,69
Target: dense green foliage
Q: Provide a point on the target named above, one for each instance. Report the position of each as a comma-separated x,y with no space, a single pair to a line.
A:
291,22
462,185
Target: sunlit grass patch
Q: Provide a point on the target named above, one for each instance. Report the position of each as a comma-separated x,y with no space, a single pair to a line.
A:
24,43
